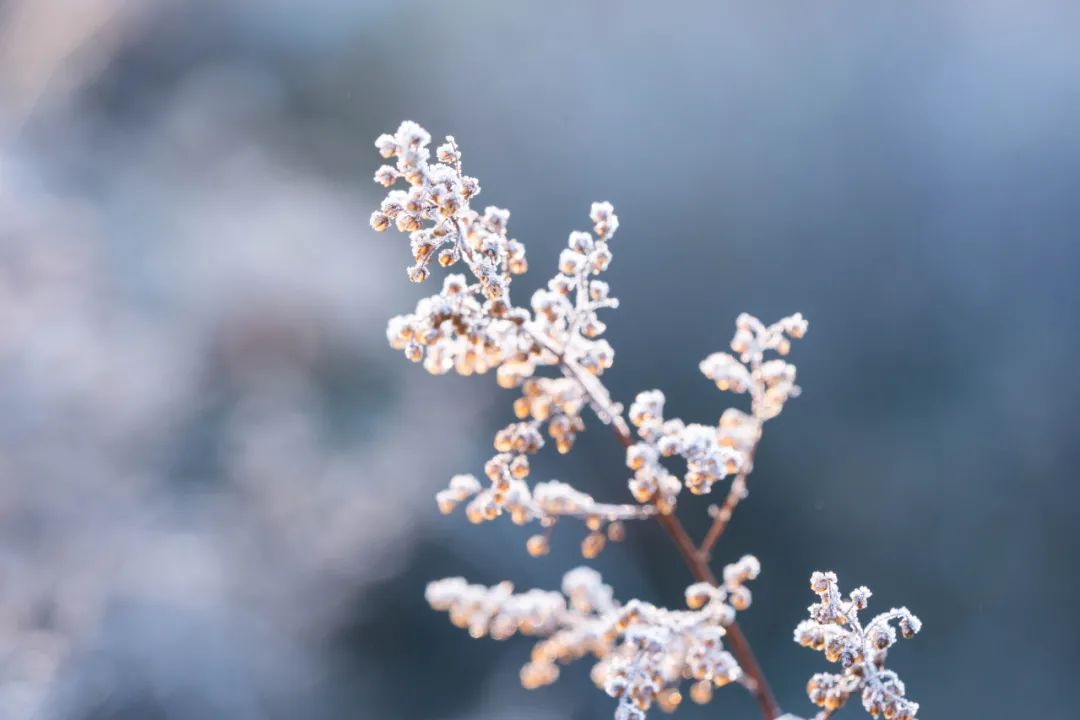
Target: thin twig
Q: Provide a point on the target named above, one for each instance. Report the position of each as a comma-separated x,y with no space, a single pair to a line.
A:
699,568
722,515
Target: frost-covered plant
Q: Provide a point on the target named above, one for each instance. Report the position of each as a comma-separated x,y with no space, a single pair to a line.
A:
643,653
835,629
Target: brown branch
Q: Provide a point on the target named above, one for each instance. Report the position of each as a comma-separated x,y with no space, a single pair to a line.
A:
722,515
695,559
699,568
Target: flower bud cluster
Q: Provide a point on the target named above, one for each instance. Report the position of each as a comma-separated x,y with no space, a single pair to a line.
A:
711,452
435,211
644,653
566,311
457,330
771,383
835,629
557,402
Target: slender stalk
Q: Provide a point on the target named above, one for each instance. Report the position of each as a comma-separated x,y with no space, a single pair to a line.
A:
723,515
699,568
695,559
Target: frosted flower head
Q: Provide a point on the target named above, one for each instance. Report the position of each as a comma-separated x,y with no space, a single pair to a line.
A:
836,629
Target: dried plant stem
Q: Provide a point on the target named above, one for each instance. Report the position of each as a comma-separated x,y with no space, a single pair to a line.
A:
722,515
697,559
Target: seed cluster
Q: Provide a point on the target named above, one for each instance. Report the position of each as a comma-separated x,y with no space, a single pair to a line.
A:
712,453
834,628
644,653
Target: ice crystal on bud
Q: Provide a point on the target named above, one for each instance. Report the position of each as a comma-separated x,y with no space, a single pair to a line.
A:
835,629
644,653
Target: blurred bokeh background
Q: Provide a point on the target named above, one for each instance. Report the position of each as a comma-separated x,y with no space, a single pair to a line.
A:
216,480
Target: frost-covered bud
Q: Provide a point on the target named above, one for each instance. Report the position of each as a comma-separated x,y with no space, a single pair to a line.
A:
648,405
464,485
446,501
417,273
454,284
910,625
698,594
599,356
737,573
882,637
386,175
600,259
795,325
411,135
470,187
820,582
860,597
606,222
580,242
394,203
387,145
398,331
598,291
495,219
727,372
379,221
775,372
407,223
571,262
643,487
414,351
640,454
448,152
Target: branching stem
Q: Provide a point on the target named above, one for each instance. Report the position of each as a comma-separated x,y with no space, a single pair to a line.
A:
722,515
695,557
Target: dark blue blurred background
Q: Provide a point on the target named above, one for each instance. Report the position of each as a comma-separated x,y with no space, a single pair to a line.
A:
907,175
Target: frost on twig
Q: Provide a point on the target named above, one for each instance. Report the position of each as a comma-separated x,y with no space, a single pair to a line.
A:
643,653
835,629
